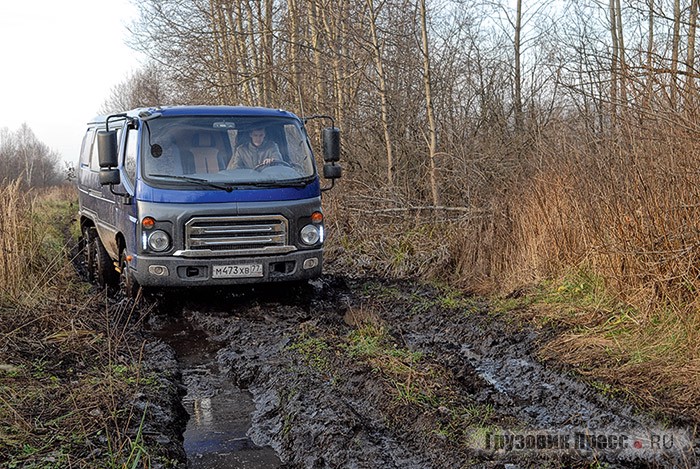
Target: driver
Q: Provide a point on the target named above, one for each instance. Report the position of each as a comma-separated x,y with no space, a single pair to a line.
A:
256,154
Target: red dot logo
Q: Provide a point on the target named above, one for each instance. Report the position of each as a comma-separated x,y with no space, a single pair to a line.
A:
638,444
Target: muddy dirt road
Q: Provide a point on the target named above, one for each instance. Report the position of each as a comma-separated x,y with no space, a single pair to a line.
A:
371,373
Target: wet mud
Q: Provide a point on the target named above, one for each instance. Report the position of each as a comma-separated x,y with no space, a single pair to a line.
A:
218,412
268,381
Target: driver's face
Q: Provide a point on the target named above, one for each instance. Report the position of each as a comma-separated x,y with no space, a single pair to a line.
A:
257,136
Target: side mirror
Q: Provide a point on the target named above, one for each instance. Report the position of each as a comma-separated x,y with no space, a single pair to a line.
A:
107,148
331,145
107,152
109,176
332,171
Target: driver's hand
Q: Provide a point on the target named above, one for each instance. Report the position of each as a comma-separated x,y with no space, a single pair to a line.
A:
265,162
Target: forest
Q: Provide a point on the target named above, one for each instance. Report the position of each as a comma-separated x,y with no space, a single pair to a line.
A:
27,159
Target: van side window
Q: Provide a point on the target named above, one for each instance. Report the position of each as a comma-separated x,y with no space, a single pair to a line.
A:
86,147
130,154
94,157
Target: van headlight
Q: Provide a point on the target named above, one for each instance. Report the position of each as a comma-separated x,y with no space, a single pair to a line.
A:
311,234
159,241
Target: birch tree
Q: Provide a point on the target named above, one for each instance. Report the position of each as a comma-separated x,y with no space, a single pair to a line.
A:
377,51
430,112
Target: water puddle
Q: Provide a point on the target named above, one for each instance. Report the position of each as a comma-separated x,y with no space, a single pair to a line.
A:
216,433
220,413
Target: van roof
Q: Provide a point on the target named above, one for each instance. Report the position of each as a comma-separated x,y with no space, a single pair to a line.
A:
201,111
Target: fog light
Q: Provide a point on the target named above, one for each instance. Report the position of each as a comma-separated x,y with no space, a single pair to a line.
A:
310,263
158,270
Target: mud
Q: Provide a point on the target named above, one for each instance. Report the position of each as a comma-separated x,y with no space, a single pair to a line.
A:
268,382
219,413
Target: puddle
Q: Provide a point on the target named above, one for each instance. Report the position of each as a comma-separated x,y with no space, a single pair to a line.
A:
220,413
216,432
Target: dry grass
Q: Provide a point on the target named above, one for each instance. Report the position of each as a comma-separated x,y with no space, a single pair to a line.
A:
68,363
370,235
626,210
33,267
622,211
16,240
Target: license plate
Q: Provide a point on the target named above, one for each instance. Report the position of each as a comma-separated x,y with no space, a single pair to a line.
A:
237,271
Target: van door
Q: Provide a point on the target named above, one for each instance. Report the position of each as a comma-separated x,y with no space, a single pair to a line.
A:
106,205
125,214
98,202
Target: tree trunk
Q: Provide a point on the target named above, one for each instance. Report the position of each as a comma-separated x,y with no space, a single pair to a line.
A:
316,48
295,76
690,60
241,49
649,61
382,90
621,56
432,130
613,62
517,79
674,52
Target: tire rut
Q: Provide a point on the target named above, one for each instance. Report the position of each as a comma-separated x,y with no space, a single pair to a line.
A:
317,406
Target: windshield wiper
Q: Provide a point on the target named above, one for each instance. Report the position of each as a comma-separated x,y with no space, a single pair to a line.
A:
289,183
201,182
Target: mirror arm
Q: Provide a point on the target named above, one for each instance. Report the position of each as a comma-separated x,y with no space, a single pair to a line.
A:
127,199
324,189
318,116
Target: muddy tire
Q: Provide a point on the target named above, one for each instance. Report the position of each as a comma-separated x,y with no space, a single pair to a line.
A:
128,286
88,242
105,274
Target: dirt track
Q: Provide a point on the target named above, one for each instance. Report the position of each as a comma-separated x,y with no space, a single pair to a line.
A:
474,394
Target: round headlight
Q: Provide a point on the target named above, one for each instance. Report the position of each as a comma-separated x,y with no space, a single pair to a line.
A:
310,234
159,241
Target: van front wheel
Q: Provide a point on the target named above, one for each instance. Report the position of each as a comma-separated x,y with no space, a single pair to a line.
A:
105,273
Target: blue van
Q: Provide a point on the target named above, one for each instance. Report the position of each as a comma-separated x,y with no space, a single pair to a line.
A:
202,195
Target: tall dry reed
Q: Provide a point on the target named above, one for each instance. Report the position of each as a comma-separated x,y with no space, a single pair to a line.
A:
621,207
624,208
627,207
17,241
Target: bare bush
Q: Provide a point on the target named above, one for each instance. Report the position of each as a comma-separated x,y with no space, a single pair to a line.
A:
23,157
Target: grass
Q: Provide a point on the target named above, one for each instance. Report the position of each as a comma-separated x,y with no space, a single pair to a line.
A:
610,269
649,356
601,249
409,376
399,250
314,352
446,297
419,389
467,424
69,363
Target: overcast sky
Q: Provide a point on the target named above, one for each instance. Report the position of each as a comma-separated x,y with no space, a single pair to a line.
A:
58,64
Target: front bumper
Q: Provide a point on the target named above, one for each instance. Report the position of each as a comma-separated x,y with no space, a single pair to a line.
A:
169,271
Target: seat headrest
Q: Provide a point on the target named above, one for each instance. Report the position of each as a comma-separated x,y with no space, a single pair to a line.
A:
202,140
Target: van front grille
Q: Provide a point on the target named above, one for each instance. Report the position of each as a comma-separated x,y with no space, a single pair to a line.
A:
236,236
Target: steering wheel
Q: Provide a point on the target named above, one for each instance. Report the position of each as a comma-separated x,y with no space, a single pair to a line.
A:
272,163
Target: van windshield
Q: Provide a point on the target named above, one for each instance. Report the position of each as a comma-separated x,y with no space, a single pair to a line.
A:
217,152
